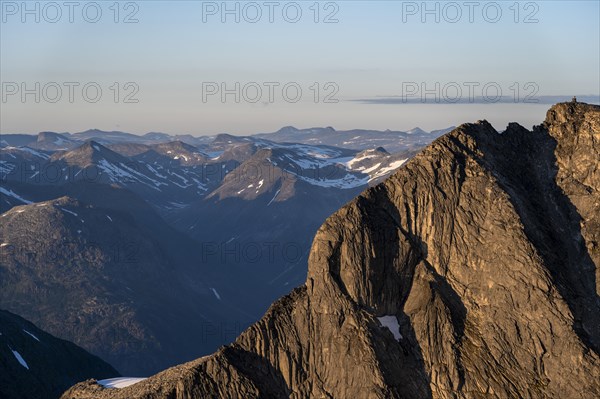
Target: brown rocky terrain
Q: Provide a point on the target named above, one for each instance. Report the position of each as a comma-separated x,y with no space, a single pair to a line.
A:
484,249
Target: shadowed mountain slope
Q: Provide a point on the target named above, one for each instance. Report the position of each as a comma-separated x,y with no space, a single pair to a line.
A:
472,272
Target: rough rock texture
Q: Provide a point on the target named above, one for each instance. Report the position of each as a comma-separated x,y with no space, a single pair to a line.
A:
484,247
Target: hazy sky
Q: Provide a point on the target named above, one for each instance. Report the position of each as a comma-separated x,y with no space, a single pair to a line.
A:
179,56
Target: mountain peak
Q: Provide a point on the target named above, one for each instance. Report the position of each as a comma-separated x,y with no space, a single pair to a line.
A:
380,151
417,130
569,111
48,135
287,129
93,131
457,276
157,136
93,146
89,152
226,138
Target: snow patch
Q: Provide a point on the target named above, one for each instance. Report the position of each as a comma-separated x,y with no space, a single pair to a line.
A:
68,211
151,169
215,155
19,358
351,162
5,167
34,152
122,382
391,167
33,336
372,168
391,323
122,173
11,193
347,182
181,156
216,293
275,196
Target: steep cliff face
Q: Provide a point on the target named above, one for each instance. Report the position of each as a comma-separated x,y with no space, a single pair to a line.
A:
472,272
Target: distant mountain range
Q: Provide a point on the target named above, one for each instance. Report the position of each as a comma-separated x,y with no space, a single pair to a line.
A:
392,141
472,272
153,250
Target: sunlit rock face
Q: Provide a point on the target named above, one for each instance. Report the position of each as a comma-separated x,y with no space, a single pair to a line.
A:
485,249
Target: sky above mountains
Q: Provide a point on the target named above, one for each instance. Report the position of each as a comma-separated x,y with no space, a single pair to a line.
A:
244,67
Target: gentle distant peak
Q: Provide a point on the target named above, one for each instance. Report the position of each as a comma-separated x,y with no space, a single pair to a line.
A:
156,136
373,151
93,131
42,135
417,130
287,129
225,138
89,152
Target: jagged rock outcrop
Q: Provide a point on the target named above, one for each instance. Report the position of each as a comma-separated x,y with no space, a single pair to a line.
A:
483,249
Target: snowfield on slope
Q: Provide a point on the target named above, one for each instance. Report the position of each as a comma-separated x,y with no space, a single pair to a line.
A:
121,382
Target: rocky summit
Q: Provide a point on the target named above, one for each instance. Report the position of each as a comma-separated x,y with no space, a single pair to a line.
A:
472,272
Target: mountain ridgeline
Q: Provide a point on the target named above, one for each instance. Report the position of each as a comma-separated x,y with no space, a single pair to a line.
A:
34,364
153,250
472,272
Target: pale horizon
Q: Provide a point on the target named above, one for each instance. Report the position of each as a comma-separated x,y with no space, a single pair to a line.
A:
181,78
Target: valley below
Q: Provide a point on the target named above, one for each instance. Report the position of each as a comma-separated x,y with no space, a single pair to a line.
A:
463,265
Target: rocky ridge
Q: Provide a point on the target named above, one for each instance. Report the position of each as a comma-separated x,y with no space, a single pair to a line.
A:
483,249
